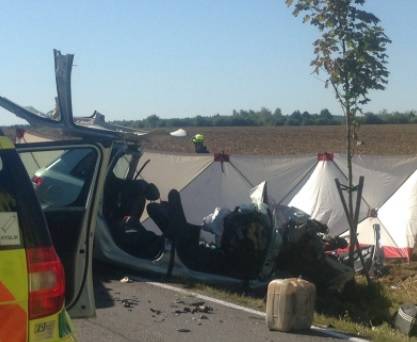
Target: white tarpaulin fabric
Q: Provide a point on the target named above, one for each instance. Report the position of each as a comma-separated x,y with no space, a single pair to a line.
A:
398,220
383,174
302,182
215,187
285,175
366,236
173,171
319,198
179,133
203,184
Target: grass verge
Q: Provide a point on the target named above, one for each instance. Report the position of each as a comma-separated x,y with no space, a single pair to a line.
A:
363,311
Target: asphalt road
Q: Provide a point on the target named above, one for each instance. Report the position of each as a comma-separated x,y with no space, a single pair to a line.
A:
139,311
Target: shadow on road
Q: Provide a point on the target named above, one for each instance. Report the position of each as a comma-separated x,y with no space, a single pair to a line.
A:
103,274
110,293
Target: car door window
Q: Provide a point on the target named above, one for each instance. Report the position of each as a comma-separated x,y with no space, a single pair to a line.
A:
121,168
61,178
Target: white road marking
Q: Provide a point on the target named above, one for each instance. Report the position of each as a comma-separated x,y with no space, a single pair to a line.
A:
328,332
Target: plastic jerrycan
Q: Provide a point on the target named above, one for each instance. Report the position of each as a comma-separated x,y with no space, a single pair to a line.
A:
290,304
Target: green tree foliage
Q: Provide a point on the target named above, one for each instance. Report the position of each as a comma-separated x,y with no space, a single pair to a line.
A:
242,118
351,51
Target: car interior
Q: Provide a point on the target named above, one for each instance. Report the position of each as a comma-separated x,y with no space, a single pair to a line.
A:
125,201
123,206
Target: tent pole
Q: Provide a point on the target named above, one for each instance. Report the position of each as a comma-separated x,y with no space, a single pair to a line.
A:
353,224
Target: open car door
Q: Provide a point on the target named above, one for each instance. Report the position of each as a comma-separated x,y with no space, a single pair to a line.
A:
68,176
68,179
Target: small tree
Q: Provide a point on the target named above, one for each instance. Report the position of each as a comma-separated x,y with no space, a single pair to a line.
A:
351,50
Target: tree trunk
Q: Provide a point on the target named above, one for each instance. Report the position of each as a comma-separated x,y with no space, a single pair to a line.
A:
349,152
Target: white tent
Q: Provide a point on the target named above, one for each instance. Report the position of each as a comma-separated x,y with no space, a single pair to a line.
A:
320,199
310,187
203,183
383,174
285,174
305,182
397,218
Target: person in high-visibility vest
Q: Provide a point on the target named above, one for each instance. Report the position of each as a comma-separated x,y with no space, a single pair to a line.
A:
198,141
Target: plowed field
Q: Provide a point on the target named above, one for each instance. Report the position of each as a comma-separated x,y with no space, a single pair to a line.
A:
374,139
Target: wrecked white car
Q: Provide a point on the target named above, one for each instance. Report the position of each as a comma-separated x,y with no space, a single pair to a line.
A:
88,183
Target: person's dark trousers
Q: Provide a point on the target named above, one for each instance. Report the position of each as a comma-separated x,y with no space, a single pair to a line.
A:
160,214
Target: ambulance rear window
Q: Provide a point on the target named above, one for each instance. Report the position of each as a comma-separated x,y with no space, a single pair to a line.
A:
17,198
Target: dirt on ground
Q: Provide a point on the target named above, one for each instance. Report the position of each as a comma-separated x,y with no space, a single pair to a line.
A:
285,140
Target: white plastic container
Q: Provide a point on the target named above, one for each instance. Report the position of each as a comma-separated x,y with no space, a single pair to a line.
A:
290,304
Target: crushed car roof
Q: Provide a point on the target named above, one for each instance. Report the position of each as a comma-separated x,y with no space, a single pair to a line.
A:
62,118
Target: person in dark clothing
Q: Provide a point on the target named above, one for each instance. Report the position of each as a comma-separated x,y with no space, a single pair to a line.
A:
160,213
124,197
125,202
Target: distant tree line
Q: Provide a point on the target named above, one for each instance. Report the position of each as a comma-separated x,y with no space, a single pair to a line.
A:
266,117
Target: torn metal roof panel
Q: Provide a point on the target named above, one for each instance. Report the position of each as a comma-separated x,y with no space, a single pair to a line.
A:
62,118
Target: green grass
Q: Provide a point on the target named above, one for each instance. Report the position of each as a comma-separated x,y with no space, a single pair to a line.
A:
363,311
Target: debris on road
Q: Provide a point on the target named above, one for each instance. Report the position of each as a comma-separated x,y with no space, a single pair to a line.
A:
128,303
156,312
126,280
201,307
192,308
198,303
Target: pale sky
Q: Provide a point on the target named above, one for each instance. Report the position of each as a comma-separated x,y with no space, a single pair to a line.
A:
184,57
